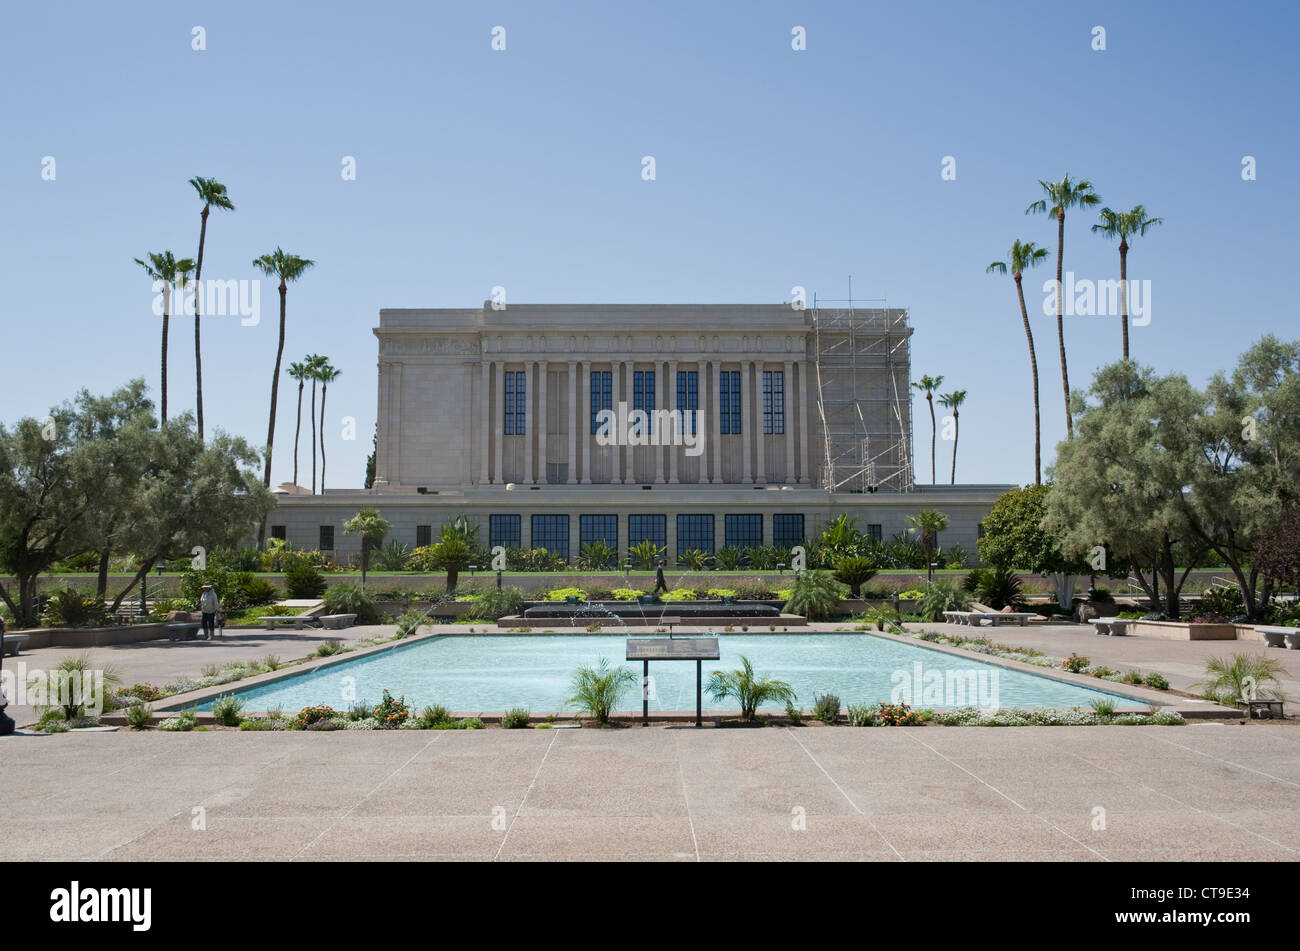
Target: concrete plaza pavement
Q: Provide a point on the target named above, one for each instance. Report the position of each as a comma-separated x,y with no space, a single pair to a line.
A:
1196,793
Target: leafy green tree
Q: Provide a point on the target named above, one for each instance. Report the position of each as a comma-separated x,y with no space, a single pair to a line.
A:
928,523
213,195
452,555
372,527
854,571
1124,225
1061,196
1023,256
1120,485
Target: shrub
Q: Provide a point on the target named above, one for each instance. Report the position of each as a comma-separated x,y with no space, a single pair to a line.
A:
562,594
815,595
695,559
754,591
1104,707
68,607
390,557
597,690
897,714
1156,681
469,723
681,594
350,598
1133,677
328,649
259,591
227,708
138,715
302,580
861,714
625,594
596,556
943,595
1165,718
515,718
826,707
310,715
410,623
183,722
144,692
433,715
645,554
493,604
996,587
721,592
1241,677
854,571
1075,664
730,557
257,725
71,687
391,713
749,691
793,714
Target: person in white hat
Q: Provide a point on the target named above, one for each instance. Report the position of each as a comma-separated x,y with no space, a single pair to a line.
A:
209,604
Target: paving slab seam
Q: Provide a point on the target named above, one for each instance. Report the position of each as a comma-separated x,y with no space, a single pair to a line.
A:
555,735
1018,805
1185,805
846,796
378,786
686,799
172,817
1228,762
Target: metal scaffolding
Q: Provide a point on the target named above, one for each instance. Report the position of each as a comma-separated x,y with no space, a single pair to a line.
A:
863,368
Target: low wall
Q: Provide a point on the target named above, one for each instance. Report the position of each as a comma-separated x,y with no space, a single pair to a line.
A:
1184,631
91,636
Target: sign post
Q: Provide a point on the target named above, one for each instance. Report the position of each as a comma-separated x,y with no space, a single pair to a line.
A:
698,649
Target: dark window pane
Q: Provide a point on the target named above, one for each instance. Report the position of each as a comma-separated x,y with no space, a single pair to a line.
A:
694,531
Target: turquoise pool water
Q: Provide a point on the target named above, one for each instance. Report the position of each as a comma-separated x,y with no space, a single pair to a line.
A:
495,673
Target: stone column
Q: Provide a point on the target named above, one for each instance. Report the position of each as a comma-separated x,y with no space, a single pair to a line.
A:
472,439
584,385
382,430
573,423
499,421
543,424
787,388
714,421
395,430
485,424
746,425
661,399
629,470
616,380
670,401
759,437
806,398
530,423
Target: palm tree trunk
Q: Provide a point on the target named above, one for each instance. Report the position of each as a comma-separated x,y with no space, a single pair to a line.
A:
163,388
956,435
1060,320
198,350
297,430
313,437
1123,289
1033,365
324,388
275,390
930,399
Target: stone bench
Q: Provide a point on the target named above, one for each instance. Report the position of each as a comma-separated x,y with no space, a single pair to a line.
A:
297,620
14,643
1280,636
182,630
334,622
1115,627
997,618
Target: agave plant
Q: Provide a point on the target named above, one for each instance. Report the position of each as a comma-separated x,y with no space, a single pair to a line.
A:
747,689
695,559
730,557
596,556
645,554
391,557
597,690
1242,677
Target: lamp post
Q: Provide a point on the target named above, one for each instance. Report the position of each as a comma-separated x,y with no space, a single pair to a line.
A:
144,581
6,721
627,572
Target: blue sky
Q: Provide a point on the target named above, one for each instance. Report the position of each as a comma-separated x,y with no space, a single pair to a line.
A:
522,168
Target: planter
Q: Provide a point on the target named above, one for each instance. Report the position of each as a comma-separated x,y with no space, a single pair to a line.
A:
1184,631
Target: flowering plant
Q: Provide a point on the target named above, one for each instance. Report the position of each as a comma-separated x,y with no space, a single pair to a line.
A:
391,713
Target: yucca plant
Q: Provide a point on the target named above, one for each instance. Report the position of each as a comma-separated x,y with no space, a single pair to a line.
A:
1242,677
695,559
227,709
645,554
815,595
72,687
391,557
942,595
747,689
730,557
596,556
597,690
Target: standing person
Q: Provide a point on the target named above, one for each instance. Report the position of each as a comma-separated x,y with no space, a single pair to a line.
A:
660,584
209,604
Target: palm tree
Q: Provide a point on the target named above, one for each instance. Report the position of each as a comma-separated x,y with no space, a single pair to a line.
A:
953,402
929,523
1024,255
747,689
287,267
213,195
929,384
163,267
299,372
328,375
314,363
1062,195
1122,225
